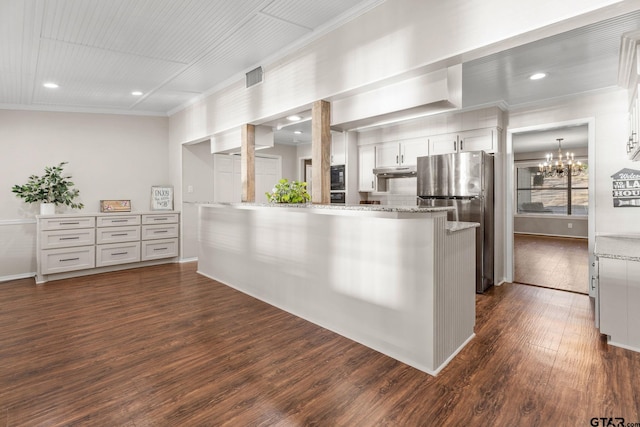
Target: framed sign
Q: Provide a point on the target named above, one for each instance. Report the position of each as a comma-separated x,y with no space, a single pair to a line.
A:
162,198
626,188
115,205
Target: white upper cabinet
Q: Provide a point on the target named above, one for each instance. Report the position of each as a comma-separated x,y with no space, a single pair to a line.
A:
403,153
412,149
366,163
471,140
338,149
387,154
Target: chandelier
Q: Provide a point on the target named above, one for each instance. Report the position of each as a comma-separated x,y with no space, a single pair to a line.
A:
562,166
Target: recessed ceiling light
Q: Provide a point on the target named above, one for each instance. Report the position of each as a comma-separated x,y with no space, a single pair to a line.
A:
538,76
136,93
294,118
50,85
297,132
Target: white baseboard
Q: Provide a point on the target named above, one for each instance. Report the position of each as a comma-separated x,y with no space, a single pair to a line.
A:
17,277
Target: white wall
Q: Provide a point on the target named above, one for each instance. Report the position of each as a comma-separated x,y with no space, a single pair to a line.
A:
110,157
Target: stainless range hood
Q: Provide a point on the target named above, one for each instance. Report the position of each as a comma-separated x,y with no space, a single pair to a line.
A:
396,172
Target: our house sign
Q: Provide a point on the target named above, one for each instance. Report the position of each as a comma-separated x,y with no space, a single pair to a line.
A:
626,188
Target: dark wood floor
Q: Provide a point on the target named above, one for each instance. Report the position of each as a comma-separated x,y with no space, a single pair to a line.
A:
163,346
553,262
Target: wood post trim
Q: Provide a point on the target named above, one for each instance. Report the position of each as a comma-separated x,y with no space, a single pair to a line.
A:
247,163
321,152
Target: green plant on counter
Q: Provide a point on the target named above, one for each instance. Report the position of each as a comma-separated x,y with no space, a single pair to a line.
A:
286,191
52,187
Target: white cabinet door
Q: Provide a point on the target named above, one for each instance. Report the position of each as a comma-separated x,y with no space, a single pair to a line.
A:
366,163
443,144
613,297
472,140
387,154
633,301
338,152
477,140
267,176
413,149
223,180
228,181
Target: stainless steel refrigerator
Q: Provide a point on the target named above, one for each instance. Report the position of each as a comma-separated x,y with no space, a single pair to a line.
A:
465,181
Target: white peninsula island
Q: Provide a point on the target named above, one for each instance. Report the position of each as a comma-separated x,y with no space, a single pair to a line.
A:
400,280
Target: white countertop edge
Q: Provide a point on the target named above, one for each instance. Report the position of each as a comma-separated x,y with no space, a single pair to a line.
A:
453,226
618,246
81,214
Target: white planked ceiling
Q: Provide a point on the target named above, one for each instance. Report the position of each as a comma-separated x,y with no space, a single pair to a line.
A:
99,51
576,61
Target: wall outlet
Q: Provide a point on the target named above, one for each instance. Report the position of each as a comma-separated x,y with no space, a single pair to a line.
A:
570,224
190,190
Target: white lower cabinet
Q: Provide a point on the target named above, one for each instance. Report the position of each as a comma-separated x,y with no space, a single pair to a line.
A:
155,249
619,301
117,253
67,259
160,231
69,245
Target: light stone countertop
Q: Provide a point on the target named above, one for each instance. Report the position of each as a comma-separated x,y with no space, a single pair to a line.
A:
451,226
625,247
340,207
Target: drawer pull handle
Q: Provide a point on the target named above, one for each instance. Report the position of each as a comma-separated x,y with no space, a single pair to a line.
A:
119,253
69,259
119,220
160,231
70,238
160,219
70,223
119,234
160,249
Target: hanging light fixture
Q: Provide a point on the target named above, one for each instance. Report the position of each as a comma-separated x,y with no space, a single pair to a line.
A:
562,166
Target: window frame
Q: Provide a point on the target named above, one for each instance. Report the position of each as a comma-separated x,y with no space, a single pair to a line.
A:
569,188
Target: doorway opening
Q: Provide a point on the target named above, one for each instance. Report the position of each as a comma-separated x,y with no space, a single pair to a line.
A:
549,225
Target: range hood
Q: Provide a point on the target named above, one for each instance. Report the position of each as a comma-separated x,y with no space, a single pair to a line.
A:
396,172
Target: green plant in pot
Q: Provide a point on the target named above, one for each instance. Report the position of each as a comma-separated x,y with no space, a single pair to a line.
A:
286,191
51,189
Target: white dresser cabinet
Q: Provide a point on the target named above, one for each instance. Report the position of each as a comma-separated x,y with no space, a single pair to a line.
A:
74,245
66,244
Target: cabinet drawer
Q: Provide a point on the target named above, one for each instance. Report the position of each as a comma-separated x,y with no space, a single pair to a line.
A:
117,253
116,221
162,231
159,218
67,259
66,223
67,238
156,249
117,234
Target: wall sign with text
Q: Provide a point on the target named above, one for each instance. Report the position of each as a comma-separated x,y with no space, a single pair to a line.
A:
626,188
161,198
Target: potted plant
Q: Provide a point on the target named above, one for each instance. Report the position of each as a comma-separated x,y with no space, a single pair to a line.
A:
50,190
289,192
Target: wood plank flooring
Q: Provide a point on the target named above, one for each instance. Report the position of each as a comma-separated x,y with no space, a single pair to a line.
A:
552,262
164,346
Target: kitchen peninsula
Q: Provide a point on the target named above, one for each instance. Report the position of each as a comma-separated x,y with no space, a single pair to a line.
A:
400,280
